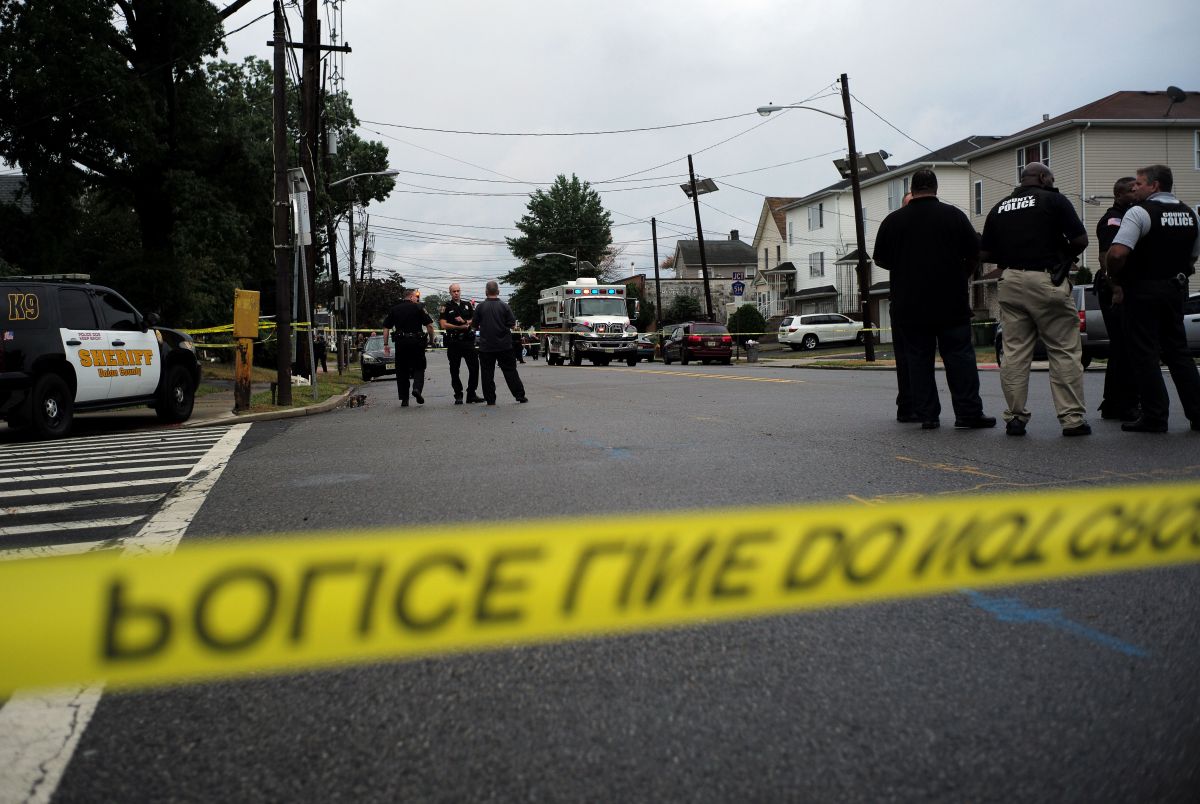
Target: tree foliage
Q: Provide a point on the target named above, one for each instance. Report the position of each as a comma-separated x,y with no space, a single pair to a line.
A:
569,218
147,167
683,308
377,295
747,322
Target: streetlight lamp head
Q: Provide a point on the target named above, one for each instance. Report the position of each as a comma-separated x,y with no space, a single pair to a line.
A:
766,111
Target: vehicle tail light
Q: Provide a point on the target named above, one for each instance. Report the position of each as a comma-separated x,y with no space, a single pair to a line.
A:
726,339
693,339
791,329
1082,321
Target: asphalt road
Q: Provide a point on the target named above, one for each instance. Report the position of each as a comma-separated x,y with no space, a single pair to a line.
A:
1072,691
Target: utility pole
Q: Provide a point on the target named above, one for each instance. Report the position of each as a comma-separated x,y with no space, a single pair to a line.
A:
308,141
657,283
700,237
283,279
864,268
352,302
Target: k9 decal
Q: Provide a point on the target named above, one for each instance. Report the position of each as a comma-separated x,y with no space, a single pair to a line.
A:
23,307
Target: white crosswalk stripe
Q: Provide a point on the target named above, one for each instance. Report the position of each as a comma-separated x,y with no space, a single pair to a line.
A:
90,493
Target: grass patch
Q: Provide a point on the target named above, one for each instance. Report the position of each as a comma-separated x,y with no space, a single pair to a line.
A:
328,385
224,371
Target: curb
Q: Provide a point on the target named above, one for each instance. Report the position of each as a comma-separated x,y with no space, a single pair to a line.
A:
289,413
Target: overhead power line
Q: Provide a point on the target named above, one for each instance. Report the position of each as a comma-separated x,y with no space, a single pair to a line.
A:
559,133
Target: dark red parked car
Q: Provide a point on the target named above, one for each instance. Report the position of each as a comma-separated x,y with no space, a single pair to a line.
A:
697,340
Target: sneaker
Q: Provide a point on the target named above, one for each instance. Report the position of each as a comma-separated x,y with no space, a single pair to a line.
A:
1081,429
1144,426
522,399
932,424
417,396
975,423
1015,427
403,403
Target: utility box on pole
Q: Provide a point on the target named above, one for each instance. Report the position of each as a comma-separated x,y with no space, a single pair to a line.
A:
245,330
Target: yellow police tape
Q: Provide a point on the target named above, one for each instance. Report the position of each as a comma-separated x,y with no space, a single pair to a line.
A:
227,609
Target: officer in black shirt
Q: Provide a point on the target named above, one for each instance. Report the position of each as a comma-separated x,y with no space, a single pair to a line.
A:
455,320
1120,389
404,321
1030,234
1152,257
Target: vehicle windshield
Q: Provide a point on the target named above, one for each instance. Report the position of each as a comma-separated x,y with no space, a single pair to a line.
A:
602,306
374,343
709,329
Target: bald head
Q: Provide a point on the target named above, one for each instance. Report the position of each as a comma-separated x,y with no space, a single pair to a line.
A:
1035,174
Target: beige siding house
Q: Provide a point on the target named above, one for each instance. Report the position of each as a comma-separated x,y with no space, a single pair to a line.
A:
1088,149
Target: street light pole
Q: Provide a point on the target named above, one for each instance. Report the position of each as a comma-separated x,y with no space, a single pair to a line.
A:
700,237
864,268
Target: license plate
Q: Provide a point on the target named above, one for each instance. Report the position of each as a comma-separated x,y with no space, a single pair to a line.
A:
710,343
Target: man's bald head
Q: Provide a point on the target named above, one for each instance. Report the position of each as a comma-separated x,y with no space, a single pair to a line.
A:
1035,174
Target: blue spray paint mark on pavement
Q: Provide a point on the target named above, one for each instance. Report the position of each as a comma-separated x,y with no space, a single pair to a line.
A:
1012,610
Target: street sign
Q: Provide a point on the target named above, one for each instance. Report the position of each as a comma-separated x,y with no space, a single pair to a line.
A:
739,288
739,275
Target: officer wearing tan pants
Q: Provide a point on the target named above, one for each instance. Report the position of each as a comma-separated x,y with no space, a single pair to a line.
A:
1030,234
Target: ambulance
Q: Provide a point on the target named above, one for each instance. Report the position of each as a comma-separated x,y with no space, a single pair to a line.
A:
584,319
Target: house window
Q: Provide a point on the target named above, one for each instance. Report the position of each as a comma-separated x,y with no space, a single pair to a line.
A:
767,257
789,233
778,254
1035,152
897,189
977,198
816,217
816,263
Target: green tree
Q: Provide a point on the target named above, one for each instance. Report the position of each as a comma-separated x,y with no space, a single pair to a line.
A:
101,96
1083,276
747,322
433,305
379,294
569,218
683,308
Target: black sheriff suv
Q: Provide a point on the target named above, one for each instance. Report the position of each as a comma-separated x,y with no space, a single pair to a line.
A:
68,345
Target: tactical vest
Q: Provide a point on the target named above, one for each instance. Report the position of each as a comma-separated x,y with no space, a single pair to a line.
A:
1165,251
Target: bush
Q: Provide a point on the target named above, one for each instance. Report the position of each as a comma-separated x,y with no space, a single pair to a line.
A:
746,323
683,308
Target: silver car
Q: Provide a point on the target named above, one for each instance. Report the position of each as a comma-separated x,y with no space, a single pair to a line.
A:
1191,322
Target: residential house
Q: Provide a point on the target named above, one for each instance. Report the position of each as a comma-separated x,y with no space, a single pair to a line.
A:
1088,149
729,262
774,274
821,228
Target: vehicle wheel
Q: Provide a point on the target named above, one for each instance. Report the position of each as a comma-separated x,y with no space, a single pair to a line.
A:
727,361
576,358
795,347
665,358
52,407
809,342
683,357
631,361
999,352
176,395
600,361
1086,360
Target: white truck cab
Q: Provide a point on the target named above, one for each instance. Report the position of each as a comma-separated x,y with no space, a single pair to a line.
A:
584,319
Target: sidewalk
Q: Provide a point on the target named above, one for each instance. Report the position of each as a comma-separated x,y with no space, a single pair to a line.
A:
217,407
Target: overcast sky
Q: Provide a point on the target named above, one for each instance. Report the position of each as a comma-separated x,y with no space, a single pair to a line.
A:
932,73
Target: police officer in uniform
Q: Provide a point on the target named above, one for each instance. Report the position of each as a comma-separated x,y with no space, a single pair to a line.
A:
404,322
1152,257
1120,389
1031,234
455,320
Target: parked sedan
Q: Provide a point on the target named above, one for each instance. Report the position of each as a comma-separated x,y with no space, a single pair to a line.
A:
697,340
374,362
808,330
646,347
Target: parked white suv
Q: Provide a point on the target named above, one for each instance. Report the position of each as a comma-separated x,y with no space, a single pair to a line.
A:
808,330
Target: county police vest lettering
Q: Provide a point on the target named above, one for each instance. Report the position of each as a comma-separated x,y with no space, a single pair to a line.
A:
1165,251
1012,204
